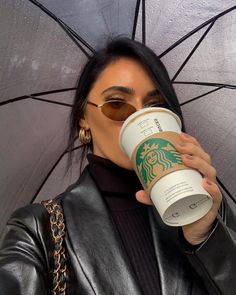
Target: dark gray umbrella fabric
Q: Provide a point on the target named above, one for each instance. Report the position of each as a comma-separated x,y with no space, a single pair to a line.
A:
43,46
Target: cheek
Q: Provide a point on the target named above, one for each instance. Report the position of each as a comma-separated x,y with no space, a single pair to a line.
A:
102,127
105,136
105,132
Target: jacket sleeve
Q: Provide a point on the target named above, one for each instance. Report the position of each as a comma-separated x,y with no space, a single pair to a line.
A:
215,258
23,254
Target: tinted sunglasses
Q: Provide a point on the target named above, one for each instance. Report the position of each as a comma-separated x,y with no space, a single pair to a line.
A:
119,110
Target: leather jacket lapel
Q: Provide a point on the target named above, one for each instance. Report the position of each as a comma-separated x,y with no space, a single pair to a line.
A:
175,276
95,241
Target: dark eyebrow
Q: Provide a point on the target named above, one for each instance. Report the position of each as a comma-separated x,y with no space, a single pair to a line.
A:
130,91
153,93
120,88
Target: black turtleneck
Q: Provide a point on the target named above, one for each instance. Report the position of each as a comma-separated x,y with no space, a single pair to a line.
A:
118,187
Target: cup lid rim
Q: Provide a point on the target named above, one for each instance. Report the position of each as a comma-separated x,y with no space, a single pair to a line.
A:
137,114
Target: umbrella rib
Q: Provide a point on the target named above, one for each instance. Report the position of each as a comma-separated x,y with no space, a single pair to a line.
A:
50,101
197,97
135,19
228,86
213,19
192,51
13,100
54,91
35,94
225,189
35,98
76,37
71,33
50,172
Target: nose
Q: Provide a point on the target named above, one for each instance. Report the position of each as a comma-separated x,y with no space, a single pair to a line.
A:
138,104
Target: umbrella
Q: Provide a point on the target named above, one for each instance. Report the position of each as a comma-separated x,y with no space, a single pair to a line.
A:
43,46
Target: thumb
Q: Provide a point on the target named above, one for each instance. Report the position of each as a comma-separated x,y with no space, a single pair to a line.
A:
143,197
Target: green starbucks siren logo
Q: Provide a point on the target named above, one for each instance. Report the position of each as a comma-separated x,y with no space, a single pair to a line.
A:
154,157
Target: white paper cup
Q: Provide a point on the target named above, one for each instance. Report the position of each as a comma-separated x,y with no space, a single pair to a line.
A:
148,137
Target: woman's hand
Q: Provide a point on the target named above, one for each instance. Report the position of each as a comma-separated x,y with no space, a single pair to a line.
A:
194,156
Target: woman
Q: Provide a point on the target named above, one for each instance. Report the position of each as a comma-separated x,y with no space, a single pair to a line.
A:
115,242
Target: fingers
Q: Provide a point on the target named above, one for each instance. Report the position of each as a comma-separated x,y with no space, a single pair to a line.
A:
192,147
214,191
194,156
201,165
189,138
143,197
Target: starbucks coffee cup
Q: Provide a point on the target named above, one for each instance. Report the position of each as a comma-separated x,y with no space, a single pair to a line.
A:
148,137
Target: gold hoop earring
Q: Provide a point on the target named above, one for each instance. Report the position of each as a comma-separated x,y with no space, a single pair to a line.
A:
85,136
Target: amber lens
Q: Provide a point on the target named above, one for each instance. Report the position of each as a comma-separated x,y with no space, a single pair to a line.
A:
118,110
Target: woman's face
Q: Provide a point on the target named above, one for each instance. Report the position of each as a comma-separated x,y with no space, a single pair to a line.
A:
137,89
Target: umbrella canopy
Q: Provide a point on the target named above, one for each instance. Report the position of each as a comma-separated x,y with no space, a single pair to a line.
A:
43,46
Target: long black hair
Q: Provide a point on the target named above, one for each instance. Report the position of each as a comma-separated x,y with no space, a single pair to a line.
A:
115,49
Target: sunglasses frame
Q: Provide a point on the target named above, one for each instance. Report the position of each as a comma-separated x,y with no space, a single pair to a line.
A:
107,102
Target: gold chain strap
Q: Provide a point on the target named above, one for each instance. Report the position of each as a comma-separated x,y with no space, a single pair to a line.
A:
59,272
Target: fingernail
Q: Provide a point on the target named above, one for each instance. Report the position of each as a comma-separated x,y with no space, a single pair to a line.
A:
189,157
208,182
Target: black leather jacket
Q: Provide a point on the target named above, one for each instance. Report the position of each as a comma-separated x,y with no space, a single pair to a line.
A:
97,262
